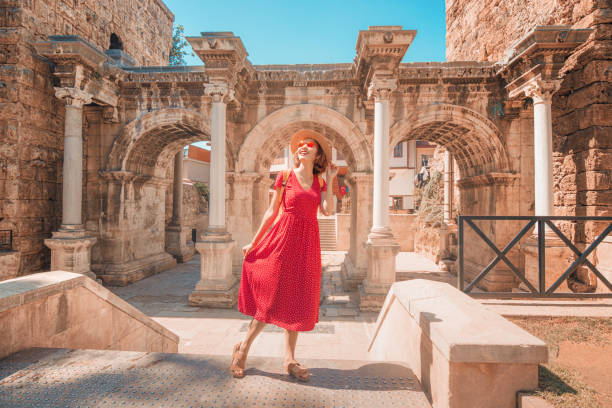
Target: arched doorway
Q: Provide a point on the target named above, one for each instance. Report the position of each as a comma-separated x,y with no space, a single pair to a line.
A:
486,179
263,143
139,172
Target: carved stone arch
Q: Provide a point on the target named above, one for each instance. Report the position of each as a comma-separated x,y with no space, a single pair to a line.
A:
475,142
272,133
147,144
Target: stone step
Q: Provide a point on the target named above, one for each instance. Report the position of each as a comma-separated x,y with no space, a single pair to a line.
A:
96,378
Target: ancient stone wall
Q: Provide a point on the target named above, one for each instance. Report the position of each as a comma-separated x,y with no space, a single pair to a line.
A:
32,119
482,30
582,125
143,26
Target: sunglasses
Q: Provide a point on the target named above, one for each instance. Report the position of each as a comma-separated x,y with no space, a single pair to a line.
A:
309,144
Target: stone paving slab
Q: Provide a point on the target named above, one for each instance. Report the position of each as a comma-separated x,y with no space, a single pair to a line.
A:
93,378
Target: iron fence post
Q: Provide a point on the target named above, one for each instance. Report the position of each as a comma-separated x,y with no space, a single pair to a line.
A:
541,257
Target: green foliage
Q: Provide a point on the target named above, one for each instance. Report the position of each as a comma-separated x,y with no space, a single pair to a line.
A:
430,199
178,51
202,189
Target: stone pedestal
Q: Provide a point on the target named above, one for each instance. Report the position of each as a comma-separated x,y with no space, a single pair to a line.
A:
604,263
382,251
217,286
71,250
558,258
178,243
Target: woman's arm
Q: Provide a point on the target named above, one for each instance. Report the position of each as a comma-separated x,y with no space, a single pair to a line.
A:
268,218
326,198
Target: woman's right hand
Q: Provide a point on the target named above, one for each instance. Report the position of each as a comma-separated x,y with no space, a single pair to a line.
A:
246,249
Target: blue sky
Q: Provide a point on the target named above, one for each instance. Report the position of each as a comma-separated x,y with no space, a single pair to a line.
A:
313,31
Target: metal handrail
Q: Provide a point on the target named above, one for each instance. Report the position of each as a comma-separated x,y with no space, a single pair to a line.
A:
541,291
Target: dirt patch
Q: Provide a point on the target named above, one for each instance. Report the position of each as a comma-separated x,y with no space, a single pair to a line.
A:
593,363
580,358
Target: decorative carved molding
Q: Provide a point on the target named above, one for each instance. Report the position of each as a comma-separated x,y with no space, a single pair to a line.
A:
219,93
381,88
488,180
541,91
73,96
110,114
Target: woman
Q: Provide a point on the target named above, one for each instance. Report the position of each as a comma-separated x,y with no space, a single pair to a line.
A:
281,273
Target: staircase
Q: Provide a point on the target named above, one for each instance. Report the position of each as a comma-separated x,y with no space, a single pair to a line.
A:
102,378
327,233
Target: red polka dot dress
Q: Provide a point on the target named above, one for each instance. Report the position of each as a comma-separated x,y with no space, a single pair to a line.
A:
281,275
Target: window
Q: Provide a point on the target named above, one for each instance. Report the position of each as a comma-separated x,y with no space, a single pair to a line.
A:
339,155
398,150
398,203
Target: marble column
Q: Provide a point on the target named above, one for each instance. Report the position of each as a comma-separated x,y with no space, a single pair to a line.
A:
558,256
381,245
71,244
541,93
217,286
178,235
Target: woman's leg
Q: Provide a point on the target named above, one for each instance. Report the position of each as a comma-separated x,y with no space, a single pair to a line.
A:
241,350
291,340
255,327
292,366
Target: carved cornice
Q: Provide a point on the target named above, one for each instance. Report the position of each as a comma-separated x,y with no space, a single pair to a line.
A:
70,49
221,51
73,96
540,54
381,48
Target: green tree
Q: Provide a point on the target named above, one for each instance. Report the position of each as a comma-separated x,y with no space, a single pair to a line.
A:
178,51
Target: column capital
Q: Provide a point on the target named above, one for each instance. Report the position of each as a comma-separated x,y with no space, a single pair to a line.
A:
542,90
381,88
219,92
73,96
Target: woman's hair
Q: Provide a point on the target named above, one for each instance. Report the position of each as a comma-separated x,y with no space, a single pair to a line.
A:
320,163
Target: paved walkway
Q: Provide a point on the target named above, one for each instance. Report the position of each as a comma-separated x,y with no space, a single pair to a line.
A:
93,378
164,297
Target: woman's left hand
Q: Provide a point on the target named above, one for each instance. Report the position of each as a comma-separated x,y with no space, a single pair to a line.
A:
332,170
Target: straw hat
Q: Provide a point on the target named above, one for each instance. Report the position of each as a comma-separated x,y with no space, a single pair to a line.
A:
311,134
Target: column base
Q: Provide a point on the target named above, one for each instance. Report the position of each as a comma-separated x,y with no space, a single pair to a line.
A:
352,276
217,286
122,274
178,243
382,250
558,258
71,250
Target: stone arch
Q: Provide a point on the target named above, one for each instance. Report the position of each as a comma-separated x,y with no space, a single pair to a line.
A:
271,134
475,142
146,144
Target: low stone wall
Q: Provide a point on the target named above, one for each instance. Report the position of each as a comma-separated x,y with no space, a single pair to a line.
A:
68,310
402,225
463,354
9,264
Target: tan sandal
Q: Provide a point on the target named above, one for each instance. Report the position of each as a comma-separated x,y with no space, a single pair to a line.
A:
235,369
298,371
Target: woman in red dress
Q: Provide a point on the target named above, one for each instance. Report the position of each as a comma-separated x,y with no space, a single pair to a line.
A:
281,273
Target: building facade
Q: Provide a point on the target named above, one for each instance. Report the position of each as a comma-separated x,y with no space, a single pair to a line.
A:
107,111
